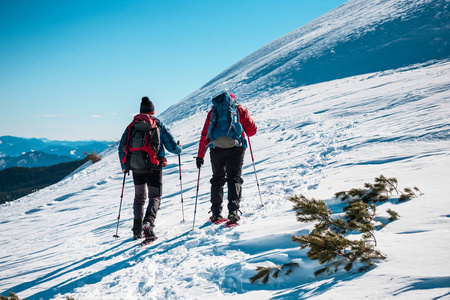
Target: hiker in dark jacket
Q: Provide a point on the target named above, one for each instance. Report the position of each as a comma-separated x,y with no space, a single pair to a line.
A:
149,180
226,163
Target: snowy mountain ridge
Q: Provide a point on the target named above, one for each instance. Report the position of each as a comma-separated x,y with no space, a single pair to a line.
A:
313,139
25,152
356,38
33,159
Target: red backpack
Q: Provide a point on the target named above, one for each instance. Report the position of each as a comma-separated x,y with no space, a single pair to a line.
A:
142,144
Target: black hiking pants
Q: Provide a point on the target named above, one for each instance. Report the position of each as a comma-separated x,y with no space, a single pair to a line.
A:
151,181
227,168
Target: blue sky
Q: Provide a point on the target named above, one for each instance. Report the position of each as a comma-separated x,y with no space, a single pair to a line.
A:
76,70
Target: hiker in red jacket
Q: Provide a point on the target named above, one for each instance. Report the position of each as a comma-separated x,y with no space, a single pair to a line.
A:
224,133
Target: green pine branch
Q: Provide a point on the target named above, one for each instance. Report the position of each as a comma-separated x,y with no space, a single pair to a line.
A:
12,296
264,273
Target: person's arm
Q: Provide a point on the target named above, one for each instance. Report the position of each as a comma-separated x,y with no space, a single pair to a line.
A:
121,148
204,139
247,122
168,140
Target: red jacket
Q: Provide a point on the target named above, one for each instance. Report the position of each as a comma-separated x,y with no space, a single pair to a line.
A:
245,119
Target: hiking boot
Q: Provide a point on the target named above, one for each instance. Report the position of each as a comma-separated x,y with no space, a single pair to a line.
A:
149,234
137,235
215,218
137,229
233,217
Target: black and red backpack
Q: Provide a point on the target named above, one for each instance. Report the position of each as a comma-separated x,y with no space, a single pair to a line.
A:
142,144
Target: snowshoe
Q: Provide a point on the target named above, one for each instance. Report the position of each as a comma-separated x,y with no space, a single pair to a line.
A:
217,219
148,231
149,235
231,224
232,220
148,241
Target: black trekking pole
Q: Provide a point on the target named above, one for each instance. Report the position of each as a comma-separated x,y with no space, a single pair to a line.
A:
120,207
254,168
196,197
181,184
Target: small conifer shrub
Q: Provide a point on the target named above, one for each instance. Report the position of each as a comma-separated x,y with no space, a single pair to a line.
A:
12,296
379,192
93,157
328,243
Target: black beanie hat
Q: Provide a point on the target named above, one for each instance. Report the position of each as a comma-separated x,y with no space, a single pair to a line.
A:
147,106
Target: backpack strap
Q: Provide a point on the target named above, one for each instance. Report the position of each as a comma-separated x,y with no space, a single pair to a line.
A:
212,122
127,141
151,154
148,119
230,117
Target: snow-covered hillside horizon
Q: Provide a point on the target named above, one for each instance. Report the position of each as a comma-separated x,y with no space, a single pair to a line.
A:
313,138
356,38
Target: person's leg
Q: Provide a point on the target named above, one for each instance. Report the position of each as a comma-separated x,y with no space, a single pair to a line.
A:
154,183
217,181
234,163
139,202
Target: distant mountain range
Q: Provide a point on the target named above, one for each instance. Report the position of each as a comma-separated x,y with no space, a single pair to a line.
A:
24,152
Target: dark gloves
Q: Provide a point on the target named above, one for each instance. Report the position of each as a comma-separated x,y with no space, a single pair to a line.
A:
199,161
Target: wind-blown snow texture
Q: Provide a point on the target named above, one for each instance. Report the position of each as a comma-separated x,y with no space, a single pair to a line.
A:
314,139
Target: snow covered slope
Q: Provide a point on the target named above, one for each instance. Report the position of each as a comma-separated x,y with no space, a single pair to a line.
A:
356,38
315,139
